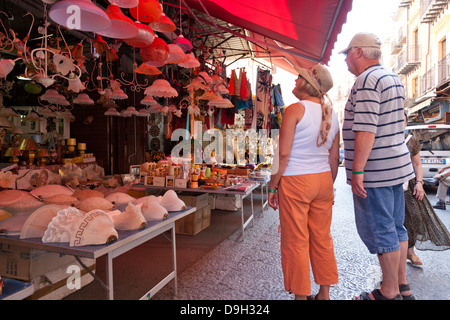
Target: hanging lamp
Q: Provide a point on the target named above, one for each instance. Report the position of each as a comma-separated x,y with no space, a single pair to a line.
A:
156,54
163,24
125,3
91,19
147,11
121,27
146,69
181,41
176,54
144,37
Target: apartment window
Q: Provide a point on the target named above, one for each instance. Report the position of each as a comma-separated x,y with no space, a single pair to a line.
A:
444,61
415,88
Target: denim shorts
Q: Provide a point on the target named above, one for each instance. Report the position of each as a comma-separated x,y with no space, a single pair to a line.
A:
380,217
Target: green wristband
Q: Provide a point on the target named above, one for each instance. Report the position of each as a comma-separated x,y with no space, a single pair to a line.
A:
273,191
357,172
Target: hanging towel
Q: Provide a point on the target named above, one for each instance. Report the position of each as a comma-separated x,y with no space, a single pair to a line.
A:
245,94
231,84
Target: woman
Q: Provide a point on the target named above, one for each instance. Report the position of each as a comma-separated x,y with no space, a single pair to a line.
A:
425,229
302,185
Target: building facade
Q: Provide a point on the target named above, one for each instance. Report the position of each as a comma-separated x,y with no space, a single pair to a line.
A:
420,55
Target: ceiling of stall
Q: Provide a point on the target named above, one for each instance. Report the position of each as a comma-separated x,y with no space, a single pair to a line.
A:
286,33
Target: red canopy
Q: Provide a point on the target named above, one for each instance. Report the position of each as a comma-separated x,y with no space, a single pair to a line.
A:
297,32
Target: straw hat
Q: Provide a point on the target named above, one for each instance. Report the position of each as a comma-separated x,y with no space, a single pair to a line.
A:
319,77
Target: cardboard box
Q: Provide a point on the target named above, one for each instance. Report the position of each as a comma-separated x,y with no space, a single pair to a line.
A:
194,222
159,181
194,199
26,264
181,183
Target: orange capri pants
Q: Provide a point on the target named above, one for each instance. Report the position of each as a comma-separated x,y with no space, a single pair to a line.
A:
305,203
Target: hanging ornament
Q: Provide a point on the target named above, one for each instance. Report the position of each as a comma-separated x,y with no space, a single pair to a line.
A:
144,37
91,18
147,11
156,54
121,27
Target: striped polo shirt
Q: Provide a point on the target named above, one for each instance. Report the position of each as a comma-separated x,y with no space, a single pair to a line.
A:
375,104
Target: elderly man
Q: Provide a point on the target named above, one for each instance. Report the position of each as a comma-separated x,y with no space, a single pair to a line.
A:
377,163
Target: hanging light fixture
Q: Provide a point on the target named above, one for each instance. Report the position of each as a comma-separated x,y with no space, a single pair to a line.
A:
156,54
161,88
125,3
144,37
176,54
112,112
92,18
163,24
83,99
190,62
121,27
181,41
147,11
146,69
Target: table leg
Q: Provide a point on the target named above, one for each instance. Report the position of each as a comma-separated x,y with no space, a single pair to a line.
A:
109,277
174,259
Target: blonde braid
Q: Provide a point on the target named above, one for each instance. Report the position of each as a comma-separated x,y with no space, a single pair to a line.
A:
325,125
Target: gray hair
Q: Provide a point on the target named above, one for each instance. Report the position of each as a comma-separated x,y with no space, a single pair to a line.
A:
371,53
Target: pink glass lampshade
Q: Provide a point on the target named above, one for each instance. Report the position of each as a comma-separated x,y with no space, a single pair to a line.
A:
121,27
163,24
176,54
144,37
125,3
92,18
184,43
147,11
156,54
146,69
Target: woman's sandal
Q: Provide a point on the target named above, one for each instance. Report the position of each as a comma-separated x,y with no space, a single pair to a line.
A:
415,260
377,295
404,288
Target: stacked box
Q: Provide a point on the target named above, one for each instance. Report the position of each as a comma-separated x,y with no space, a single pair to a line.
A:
198,220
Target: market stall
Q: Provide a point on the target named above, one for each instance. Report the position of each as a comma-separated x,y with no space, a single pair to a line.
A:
102,100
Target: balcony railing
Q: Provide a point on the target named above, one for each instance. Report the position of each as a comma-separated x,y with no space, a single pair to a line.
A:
444,70
436,76
408,60
431,9
428,81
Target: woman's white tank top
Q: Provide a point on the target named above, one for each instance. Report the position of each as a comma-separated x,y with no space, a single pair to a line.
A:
306,157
